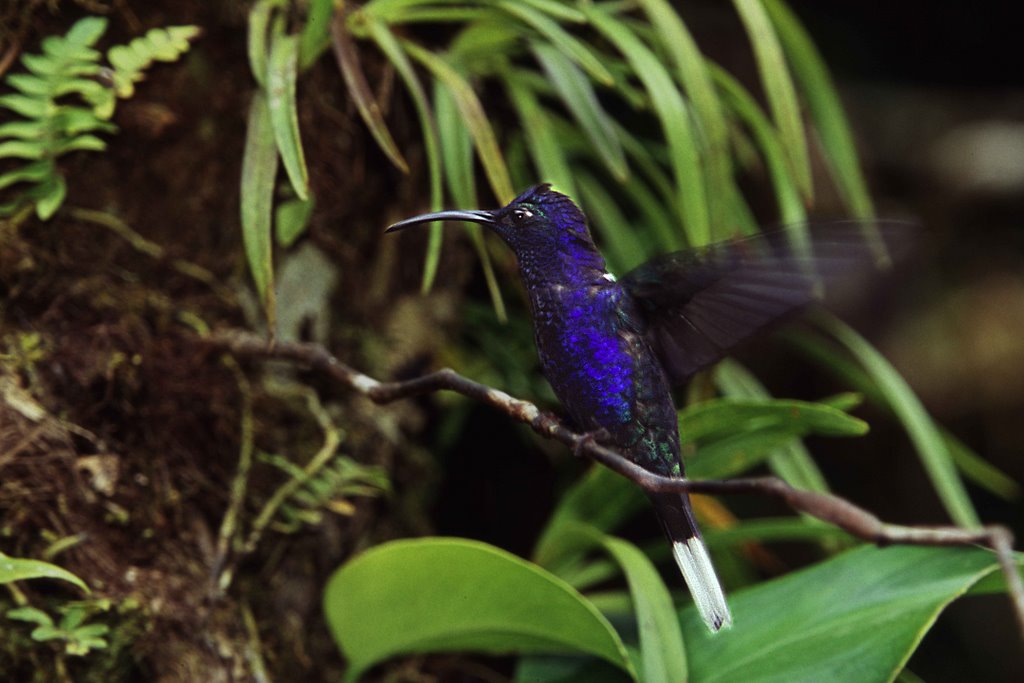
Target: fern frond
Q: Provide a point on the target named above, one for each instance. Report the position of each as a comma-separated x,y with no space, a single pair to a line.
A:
329,489
49,99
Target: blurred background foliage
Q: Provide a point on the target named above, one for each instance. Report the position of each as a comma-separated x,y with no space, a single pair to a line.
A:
294,131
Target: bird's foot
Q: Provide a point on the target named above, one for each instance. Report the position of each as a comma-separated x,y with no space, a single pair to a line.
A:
597,436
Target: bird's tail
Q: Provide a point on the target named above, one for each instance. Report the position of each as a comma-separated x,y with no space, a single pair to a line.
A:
692,557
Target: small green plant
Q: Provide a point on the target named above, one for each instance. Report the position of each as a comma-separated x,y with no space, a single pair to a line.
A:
79,637
342,478
49,100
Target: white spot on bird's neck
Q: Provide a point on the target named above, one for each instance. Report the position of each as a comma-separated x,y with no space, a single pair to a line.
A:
609,277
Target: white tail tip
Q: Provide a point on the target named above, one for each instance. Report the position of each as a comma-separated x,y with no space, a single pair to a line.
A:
695,564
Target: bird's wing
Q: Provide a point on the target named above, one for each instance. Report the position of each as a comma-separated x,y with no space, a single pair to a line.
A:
700,303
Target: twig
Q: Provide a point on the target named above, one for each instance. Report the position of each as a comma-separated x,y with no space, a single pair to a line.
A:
223,568
829,508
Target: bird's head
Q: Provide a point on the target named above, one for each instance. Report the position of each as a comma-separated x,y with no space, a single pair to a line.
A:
545,229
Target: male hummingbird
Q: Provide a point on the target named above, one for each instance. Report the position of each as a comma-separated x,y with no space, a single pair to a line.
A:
611,349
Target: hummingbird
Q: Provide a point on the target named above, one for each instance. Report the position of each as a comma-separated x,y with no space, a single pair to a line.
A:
612,349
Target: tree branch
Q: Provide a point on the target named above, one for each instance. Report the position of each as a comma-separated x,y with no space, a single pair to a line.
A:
829,508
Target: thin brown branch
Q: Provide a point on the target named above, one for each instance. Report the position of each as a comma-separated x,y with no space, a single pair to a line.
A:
829,508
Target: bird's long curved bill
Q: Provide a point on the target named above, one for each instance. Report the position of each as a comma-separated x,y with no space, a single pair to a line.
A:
482,217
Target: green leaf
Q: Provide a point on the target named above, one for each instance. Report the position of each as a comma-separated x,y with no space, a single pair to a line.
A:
620,240
672,112
791,206
23,130
692,72
662,656
291,218
857,617
86,31
578,95
49,196
457,155
355,82
23,149
437,595
734,434
560,40
18,569
826,110
545,149
259,24
282,72
768,530
259,168
830,356
33,173
601,500
718,417
923,431
779,89
159,44
316,32
791,461
474,117
30,614
29,107
391,48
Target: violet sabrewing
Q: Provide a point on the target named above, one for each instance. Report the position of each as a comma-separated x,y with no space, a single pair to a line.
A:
612,349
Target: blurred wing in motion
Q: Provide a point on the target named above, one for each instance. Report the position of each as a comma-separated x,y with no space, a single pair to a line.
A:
698,304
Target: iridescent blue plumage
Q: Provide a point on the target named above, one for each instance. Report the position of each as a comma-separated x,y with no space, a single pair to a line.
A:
611,349
591,341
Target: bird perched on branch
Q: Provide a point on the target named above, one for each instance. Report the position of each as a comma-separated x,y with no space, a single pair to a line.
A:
612,349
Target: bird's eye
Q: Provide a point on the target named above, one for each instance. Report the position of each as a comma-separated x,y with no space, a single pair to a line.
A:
520,215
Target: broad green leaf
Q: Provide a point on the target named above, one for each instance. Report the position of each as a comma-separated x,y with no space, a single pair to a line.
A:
923,431
355,82
579,98
259,168
791,462
672,112
662,657
282,71
779,89
824,106
438,595
791,207
20,569
857,617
